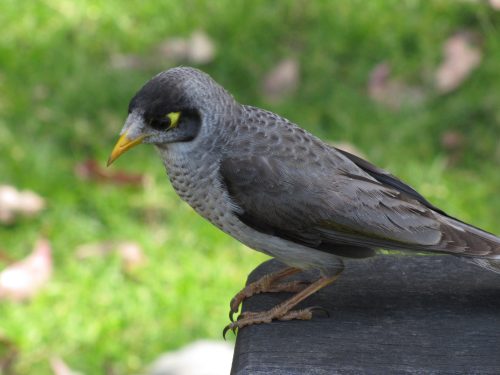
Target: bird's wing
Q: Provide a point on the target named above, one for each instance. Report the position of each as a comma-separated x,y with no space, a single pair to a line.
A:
323,207
388,179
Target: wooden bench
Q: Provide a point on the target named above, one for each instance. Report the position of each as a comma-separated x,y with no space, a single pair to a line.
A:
388,315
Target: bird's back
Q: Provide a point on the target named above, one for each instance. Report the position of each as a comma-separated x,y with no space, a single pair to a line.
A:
289,183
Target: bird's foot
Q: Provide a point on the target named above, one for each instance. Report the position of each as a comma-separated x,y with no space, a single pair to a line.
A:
250,290
248,318
283,311
267,284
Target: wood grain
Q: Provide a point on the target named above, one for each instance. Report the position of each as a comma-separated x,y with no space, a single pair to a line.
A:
388,315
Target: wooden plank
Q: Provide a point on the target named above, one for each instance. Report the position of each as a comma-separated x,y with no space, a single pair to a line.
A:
388,315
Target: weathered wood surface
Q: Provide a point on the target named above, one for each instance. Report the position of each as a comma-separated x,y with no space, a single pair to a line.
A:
388,315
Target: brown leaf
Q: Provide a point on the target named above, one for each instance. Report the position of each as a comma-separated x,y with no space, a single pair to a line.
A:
130,253
127,61
14,203
389,91
378,81
59,367
174,49
495,4
93,250
8,356
201,49
197,49
452,140
91,170
22,280
453,143
5,257
281,80
461,56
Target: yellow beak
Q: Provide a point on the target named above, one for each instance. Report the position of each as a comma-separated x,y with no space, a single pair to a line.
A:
123,144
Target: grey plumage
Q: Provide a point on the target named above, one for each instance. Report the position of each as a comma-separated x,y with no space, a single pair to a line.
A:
280,190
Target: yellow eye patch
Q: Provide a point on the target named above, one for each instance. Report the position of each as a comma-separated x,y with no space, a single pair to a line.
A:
174,119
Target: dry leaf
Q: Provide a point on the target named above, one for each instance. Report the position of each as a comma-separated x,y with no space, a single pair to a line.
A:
8,356
197,49
94,250
22,280
495,4
461,57
91,170
201,48
281,80
5,257
124,61
174,49
389,91
130,253
453,142
59,367
378,82
14,203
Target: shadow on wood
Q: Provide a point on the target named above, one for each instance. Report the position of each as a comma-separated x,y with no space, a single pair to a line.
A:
388,315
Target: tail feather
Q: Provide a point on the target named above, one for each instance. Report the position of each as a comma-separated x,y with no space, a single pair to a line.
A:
470,241
477,246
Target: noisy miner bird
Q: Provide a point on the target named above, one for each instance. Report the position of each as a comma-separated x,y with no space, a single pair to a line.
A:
280,190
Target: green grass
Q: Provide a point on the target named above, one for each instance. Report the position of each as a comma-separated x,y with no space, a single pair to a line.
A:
61,102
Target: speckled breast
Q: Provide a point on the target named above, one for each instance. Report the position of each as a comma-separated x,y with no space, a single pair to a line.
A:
201,188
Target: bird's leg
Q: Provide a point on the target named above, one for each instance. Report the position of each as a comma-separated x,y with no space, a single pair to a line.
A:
265,284
282,310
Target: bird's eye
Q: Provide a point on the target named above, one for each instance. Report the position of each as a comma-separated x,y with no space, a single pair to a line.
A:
166,122
174,119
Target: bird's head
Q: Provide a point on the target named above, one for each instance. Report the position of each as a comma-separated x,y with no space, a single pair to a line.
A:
172,107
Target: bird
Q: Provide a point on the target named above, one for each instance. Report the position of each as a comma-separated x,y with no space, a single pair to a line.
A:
280,190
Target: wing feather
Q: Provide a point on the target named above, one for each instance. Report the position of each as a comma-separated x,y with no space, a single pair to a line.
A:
294,186
324,207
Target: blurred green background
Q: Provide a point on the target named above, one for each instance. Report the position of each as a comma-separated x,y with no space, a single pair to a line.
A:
67,71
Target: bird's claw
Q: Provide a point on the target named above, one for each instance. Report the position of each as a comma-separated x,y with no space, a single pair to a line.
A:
248,318
319,308
234,305
263,287
231,326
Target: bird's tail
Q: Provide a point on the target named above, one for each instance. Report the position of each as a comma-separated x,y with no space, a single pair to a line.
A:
476,245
